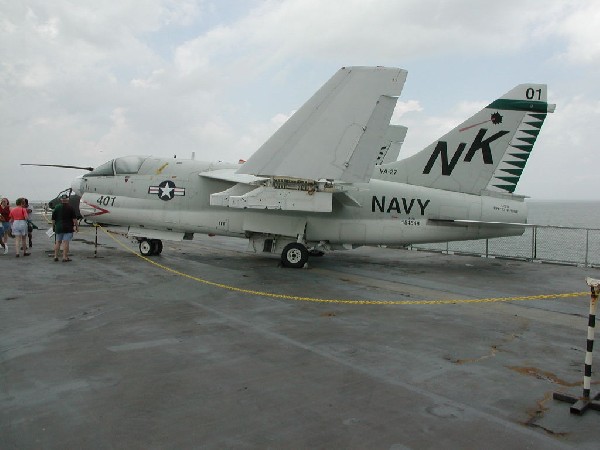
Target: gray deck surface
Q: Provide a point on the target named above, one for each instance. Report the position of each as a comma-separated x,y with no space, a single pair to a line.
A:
115,352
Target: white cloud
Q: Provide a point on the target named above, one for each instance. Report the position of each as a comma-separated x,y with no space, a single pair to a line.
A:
580,28
425,127
405,107
564,159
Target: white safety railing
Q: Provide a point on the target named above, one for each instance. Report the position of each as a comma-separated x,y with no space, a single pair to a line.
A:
565,245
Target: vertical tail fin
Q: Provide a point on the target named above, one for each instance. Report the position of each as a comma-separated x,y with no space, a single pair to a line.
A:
486,152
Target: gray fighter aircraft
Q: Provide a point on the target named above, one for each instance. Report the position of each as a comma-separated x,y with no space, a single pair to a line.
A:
328,179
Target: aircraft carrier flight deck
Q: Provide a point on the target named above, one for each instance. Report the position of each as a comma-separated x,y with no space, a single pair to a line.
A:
208,346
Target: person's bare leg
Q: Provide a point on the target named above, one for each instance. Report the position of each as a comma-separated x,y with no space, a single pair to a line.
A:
56,249
66,250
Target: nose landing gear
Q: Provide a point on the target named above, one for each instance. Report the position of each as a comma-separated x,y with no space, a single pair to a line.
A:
150,247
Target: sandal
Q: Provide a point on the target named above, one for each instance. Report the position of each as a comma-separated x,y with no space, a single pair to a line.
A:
26,254
67,260
55,259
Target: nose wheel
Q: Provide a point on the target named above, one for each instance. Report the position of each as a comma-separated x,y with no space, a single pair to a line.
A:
150,247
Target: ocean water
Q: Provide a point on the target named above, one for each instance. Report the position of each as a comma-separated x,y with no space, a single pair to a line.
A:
579,244
578,214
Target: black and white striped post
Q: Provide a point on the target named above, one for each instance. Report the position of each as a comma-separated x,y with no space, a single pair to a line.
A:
581,404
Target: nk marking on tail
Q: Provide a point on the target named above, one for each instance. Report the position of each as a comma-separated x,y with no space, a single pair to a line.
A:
478,144
487,152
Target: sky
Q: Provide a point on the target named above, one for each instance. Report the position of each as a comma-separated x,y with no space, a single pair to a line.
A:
82,81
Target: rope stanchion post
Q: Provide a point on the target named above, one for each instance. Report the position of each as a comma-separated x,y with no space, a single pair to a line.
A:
96,242
583,403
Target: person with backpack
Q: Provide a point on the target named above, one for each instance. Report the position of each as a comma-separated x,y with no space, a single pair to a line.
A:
64,223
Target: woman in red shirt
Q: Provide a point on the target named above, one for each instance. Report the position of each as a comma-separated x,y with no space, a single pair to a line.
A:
18,217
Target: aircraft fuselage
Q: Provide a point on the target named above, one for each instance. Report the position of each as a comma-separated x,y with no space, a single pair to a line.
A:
170,196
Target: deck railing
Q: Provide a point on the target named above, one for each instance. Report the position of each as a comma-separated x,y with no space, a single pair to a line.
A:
564,245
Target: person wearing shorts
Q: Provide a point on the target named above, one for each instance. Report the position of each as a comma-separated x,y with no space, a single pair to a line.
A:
64,222
18,218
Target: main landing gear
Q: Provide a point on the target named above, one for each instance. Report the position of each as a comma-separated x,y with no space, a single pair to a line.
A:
150,247
294,255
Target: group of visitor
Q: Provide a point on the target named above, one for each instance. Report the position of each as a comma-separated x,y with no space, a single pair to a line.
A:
16,222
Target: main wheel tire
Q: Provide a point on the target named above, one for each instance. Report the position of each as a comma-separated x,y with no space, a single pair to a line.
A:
157,246
294,255
146,247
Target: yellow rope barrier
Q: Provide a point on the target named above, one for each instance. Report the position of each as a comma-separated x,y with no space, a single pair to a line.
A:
343,301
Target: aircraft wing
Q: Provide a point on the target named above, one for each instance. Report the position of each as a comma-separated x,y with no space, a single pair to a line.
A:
338,133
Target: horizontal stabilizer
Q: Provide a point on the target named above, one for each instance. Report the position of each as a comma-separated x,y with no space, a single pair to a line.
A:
337,133
478,222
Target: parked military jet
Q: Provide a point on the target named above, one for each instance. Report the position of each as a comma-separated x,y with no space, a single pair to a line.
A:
324,181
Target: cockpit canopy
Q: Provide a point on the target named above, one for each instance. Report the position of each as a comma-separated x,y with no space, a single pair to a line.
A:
126,165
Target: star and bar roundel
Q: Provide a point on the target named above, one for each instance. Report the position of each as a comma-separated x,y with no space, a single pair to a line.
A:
166,190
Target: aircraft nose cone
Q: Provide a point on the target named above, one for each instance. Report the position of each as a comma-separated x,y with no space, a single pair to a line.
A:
77,185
